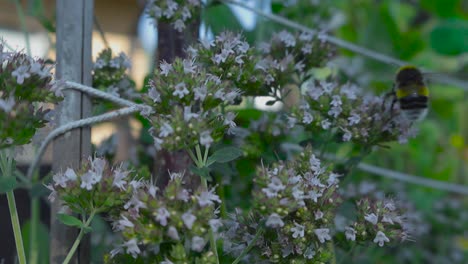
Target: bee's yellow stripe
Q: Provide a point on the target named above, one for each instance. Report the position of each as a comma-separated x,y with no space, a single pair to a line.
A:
420,90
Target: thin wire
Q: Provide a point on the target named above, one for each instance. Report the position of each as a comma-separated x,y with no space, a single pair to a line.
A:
100,94
440,185
76,124
444,79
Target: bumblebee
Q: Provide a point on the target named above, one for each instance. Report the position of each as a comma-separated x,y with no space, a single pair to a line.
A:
411,91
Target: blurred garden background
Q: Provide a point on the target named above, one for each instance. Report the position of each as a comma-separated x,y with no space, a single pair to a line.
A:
432,34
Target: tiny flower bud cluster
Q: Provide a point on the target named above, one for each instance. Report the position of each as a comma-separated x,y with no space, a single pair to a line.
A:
171,225
231,57
378,221
110,74
95,186
177,12
26,84
345,112
188,106
296,202
288,57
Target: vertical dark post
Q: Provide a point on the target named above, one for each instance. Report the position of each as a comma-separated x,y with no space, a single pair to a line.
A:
171,44
74,28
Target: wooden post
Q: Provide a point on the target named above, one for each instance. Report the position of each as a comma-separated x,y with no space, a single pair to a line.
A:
74,28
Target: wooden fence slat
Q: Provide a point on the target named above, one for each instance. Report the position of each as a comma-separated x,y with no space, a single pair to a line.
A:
74,31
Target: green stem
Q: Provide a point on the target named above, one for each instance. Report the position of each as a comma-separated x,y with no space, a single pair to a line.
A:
20,12
78,239
6,167
35,220
16,227
200,161
250,246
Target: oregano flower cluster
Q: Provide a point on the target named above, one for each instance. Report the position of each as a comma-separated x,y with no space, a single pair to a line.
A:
110,74
293,215
188,106
26,85
178,13
168,226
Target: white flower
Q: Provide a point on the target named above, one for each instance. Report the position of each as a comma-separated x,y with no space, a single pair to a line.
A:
162,216
287,38
314,163
152,190
60,180
165,67
381,238
188,218
208,198
154,95
347,135
243,47
183,195
335,111
318,214
291,121
229,119
308,118
200,93
132,247
276,184
119,178
8,104
171,8
298,194
188,114
172,233
387,219
322,234
122,223
306,36
186,13
350,233
179,25
333,179
36,68
313,91
327,87
53,194
135,203
313,195
354,119
198,243
166,261
220,94
298,230
189,66
87,181
180,90
336,101
325,124
306,49
215,224
21,73
166,130
99,64
309,253
274,221
205,138
371,218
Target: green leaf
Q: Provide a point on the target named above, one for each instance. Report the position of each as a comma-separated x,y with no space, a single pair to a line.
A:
7,184
450,37
202,172
70,220
224,155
